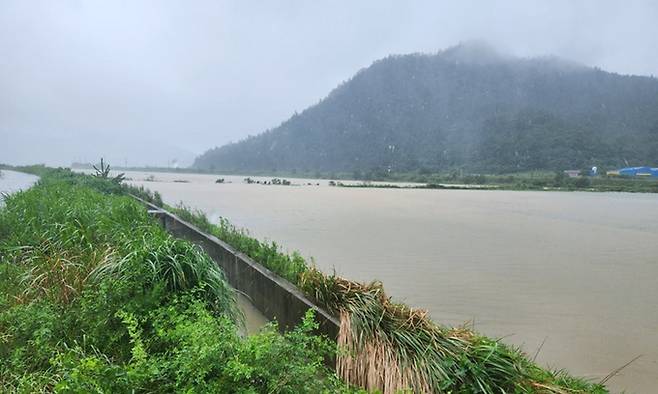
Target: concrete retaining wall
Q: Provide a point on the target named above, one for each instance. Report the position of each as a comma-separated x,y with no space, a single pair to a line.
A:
276,298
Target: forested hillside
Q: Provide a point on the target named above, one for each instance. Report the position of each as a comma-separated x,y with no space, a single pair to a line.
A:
468,107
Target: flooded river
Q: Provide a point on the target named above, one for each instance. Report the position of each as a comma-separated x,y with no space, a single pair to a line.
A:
12,181
578,270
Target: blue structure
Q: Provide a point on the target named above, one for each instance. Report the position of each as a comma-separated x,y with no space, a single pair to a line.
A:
639,171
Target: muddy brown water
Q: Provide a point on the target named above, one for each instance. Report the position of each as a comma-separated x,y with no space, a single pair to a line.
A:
578,270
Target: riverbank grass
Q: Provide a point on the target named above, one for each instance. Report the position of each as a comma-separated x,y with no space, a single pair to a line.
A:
96,297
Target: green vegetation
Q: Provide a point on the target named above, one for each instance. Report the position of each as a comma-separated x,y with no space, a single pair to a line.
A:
538,180
103,171
96,297
103,184
378,334
288,266
526,180
466,108
388,346
273,181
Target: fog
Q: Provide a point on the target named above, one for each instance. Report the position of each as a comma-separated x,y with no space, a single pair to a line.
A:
152,81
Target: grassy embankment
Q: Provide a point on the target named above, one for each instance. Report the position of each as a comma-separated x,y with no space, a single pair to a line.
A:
96,297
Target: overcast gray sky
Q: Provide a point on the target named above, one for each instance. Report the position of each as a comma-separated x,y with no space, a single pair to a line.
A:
144,82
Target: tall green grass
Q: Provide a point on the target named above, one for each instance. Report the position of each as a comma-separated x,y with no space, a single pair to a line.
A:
103,185
270,254
96,297
66,236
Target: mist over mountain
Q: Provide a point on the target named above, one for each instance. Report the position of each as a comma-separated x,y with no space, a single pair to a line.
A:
469,107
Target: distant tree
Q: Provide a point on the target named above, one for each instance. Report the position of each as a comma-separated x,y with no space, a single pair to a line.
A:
560,178
582,182
103,171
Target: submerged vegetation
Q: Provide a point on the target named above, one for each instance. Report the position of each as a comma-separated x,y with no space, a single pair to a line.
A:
273,181
96,297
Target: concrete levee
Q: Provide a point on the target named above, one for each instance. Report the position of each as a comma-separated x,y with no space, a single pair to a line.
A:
276,298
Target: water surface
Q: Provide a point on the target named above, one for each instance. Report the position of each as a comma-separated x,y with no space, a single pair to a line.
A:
12,181
579,270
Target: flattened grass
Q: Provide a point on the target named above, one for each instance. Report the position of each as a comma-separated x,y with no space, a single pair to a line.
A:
391,347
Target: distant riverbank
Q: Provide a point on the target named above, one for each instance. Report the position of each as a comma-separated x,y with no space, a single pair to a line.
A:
523,181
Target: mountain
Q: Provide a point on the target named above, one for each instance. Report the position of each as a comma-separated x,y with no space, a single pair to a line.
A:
467,107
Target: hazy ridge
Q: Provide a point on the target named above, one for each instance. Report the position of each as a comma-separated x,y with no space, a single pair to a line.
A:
468,107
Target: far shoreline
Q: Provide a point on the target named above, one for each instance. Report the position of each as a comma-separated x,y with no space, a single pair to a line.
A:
525,181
